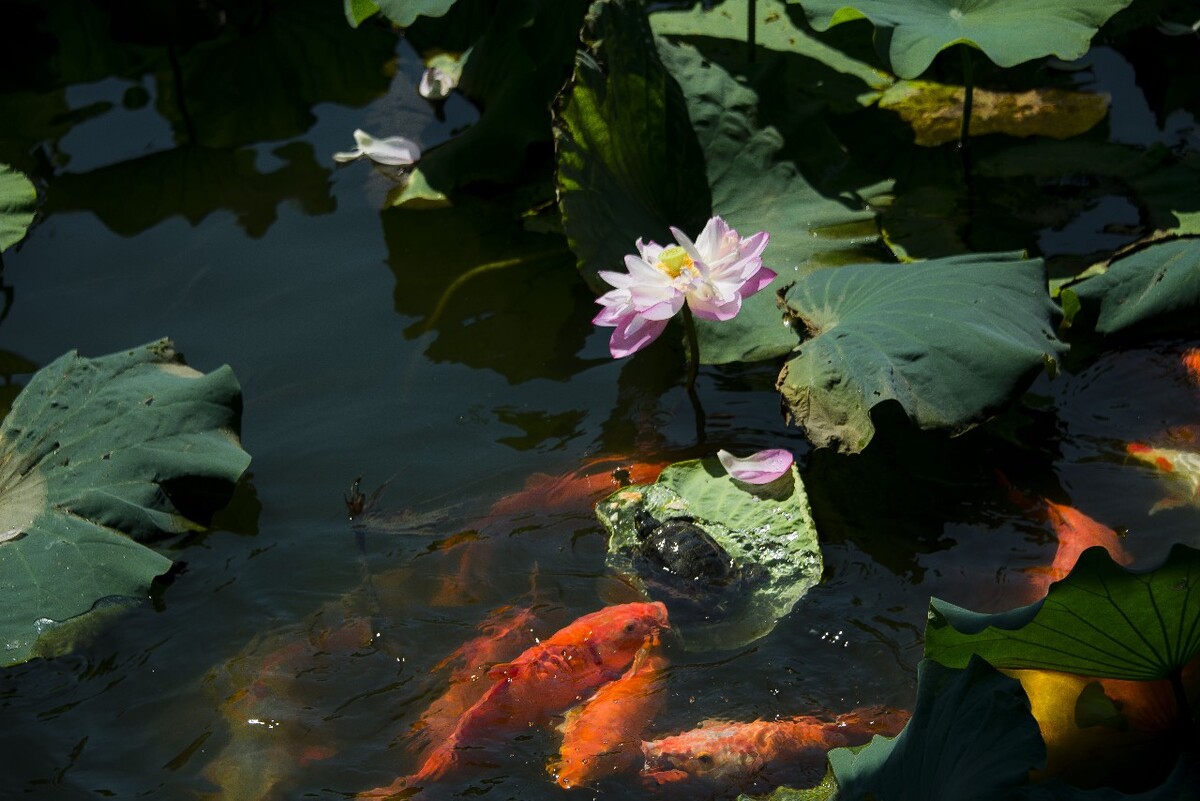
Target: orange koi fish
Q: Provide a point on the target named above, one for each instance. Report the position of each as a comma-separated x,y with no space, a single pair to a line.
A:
1076,533
1191,363
579,489
543,681
603,736
730,757
576,491
1180,467
505,633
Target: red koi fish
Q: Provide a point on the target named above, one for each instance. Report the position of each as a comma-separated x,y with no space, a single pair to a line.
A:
723,757
576,491
505,633
1180,467
579,489
603,736
543,681
1076,533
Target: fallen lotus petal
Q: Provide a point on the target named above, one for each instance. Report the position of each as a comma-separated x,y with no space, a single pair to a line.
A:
757,468
394,151
436,84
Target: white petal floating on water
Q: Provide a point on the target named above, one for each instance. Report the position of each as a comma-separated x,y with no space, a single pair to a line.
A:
394,151
757,468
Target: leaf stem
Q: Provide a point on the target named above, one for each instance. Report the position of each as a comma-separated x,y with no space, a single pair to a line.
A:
751,21
474,272
964,137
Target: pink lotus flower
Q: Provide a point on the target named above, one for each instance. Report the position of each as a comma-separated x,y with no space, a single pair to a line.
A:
757,468
712,275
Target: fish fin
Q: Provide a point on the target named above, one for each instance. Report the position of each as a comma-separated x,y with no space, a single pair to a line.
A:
504,670
1166,503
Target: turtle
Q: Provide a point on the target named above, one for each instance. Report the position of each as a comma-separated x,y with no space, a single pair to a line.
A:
681,564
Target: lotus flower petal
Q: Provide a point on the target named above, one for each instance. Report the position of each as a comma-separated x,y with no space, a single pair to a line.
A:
757,468
394,151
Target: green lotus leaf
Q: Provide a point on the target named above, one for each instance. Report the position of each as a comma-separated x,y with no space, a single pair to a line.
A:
910,34
769,525
971,735
401,12
950,339
18,201
95,455
1149,283
641,149
629,165
1102,620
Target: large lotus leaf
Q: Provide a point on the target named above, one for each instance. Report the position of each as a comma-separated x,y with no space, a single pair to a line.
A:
1151,282
94,452
401,12
1101,620
970,736
756,188
1010,32
950,339
769,525
629,164
775,31
515,70
18,200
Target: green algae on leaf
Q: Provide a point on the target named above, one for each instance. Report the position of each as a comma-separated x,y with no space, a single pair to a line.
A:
769,525
1102,620
95,456
950,339
1010,32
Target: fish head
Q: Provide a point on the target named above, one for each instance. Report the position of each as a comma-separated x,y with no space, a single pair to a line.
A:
711,754
626,628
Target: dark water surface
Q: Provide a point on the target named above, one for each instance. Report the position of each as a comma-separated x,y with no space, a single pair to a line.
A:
259,253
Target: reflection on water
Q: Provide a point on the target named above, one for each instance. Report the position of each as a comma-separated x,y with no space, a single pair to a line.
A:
448,352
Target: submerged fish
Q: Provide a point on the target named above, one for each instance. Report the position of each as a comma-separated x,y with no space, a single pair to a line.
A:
720,758
602,736
1181,468
543,681
1191,363
505,633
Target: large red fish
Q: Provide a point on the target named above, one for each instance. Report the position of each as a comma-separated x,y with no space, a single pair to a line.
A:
505,633
543,681
603,736
720,758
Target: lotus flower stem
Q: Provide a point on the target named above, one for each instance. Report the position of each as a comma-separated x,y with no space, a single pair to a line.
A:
689,327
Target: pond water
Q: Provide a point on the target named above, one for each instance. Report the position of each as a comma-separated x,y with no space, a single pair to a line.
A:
357,360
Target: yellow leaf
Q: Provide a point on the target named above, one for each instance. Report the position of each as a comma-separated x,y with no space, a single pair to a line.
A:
934,110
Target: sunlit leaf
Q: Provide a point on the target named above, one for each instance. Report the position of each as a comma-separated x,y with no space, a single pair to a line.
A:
1010,32
971,736
935,111
769,525
95,455
18,201
950,339
1149,283
1101,620
401,12
629,164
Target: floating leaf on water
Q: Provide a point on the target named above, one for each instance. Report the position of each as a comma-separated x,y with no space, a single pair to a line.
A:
769,525
934,110
96,454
